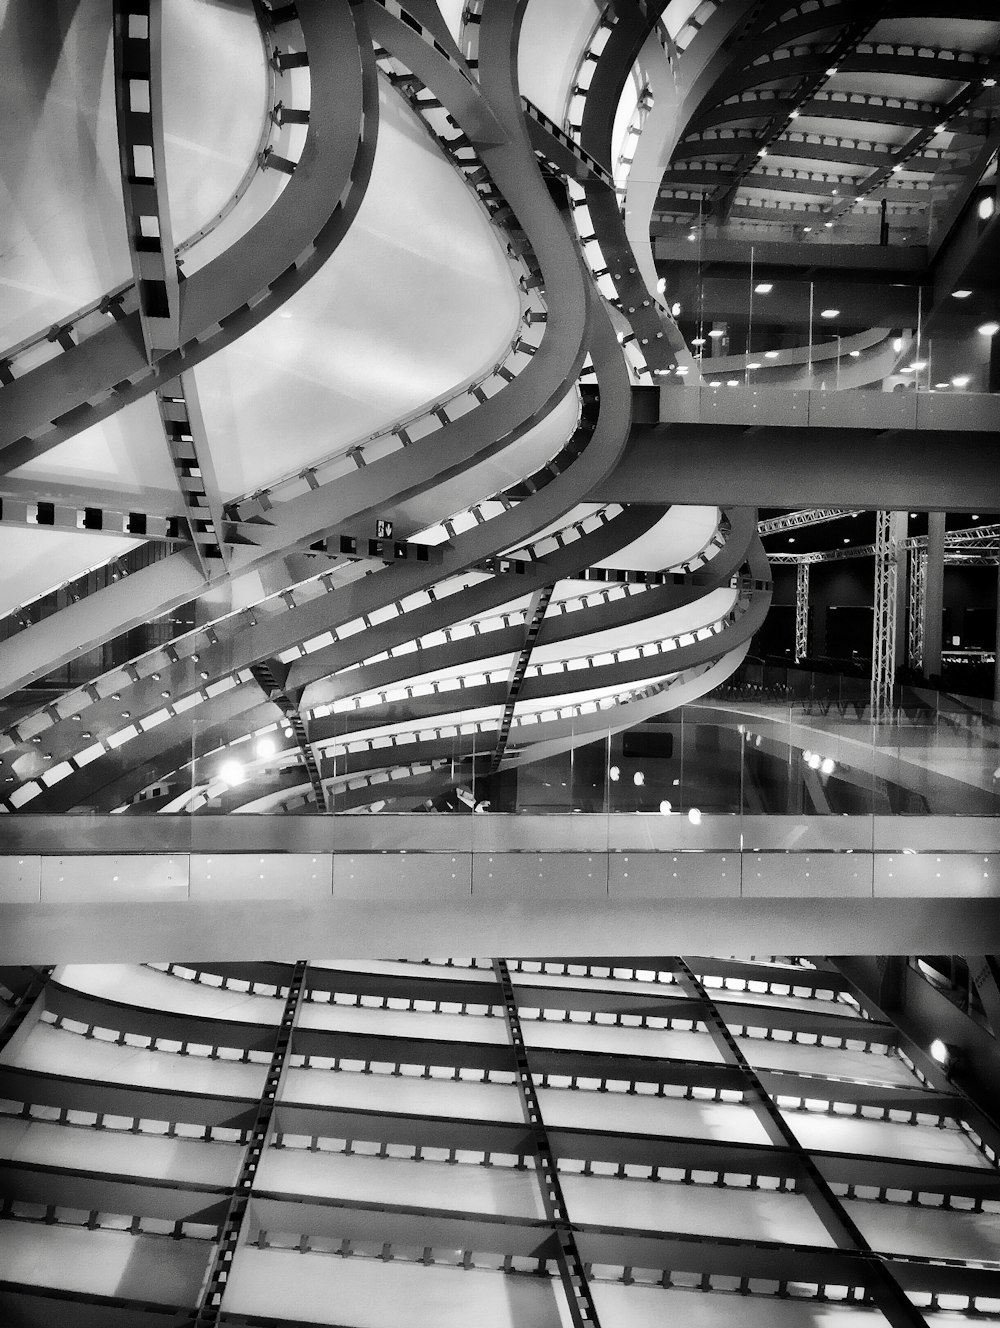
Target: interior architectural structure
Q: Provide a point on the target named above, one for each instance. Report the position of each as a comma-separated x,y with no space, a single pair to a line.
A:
513,479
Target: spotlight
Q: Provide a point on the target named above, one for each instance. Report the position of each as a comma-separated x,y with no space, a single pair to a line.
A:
986,207
266,747
231,773
614,774
666,808
989,329
763,288
946,1054
815,761
638,779
694,816
828,766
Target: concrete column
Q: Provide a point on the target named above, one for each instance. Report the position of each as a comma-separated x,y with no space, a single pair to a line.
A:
933,593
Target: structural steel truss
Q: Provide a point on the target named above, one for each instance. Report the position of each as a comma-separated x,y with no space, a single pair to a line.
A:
710,1042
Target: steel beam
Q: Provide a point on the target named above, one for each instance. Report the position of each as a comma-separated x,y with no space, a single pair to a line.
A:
209,1308
879,1281
571,1268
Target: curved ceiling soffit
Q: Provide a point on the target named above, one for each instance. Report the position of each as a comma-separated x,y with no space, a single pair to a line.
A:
660,340
583,472
242,286
595,459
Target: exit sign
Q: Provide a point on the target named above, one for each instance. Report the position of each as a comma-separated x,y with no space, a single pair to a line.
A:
383,530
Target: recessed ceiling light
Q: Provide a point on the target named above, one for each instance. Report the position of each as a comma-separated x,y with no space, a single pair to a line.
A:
846,540
975,518
754,364
989,82
764,288
986,207
960,380
989,329
771,354
855,354
732,382
831,71
939,386
897,344
791,539
717,332
830,313
715,384
793,115
698,341
806,230
682,369
960,294
828,225
692,236
918,364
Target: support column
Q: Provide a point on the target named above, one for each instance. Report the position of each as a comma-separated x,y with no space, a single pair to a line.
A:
890,530
801,611
917,605
933,593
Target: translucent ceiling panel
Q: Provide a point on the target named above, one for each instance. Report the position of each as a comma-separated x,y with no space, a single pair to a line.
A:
368,1293
400,968
123,461
679,535
104,1263
697,1209
652,1307
773,1000
553,35
62,224
623,1113
135,984
56,1051
664,1044
415,301
462,1187
215,93
941,1233
403,1023
851,1134
120,1152
560,980
33,562
835,1061
418,1097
